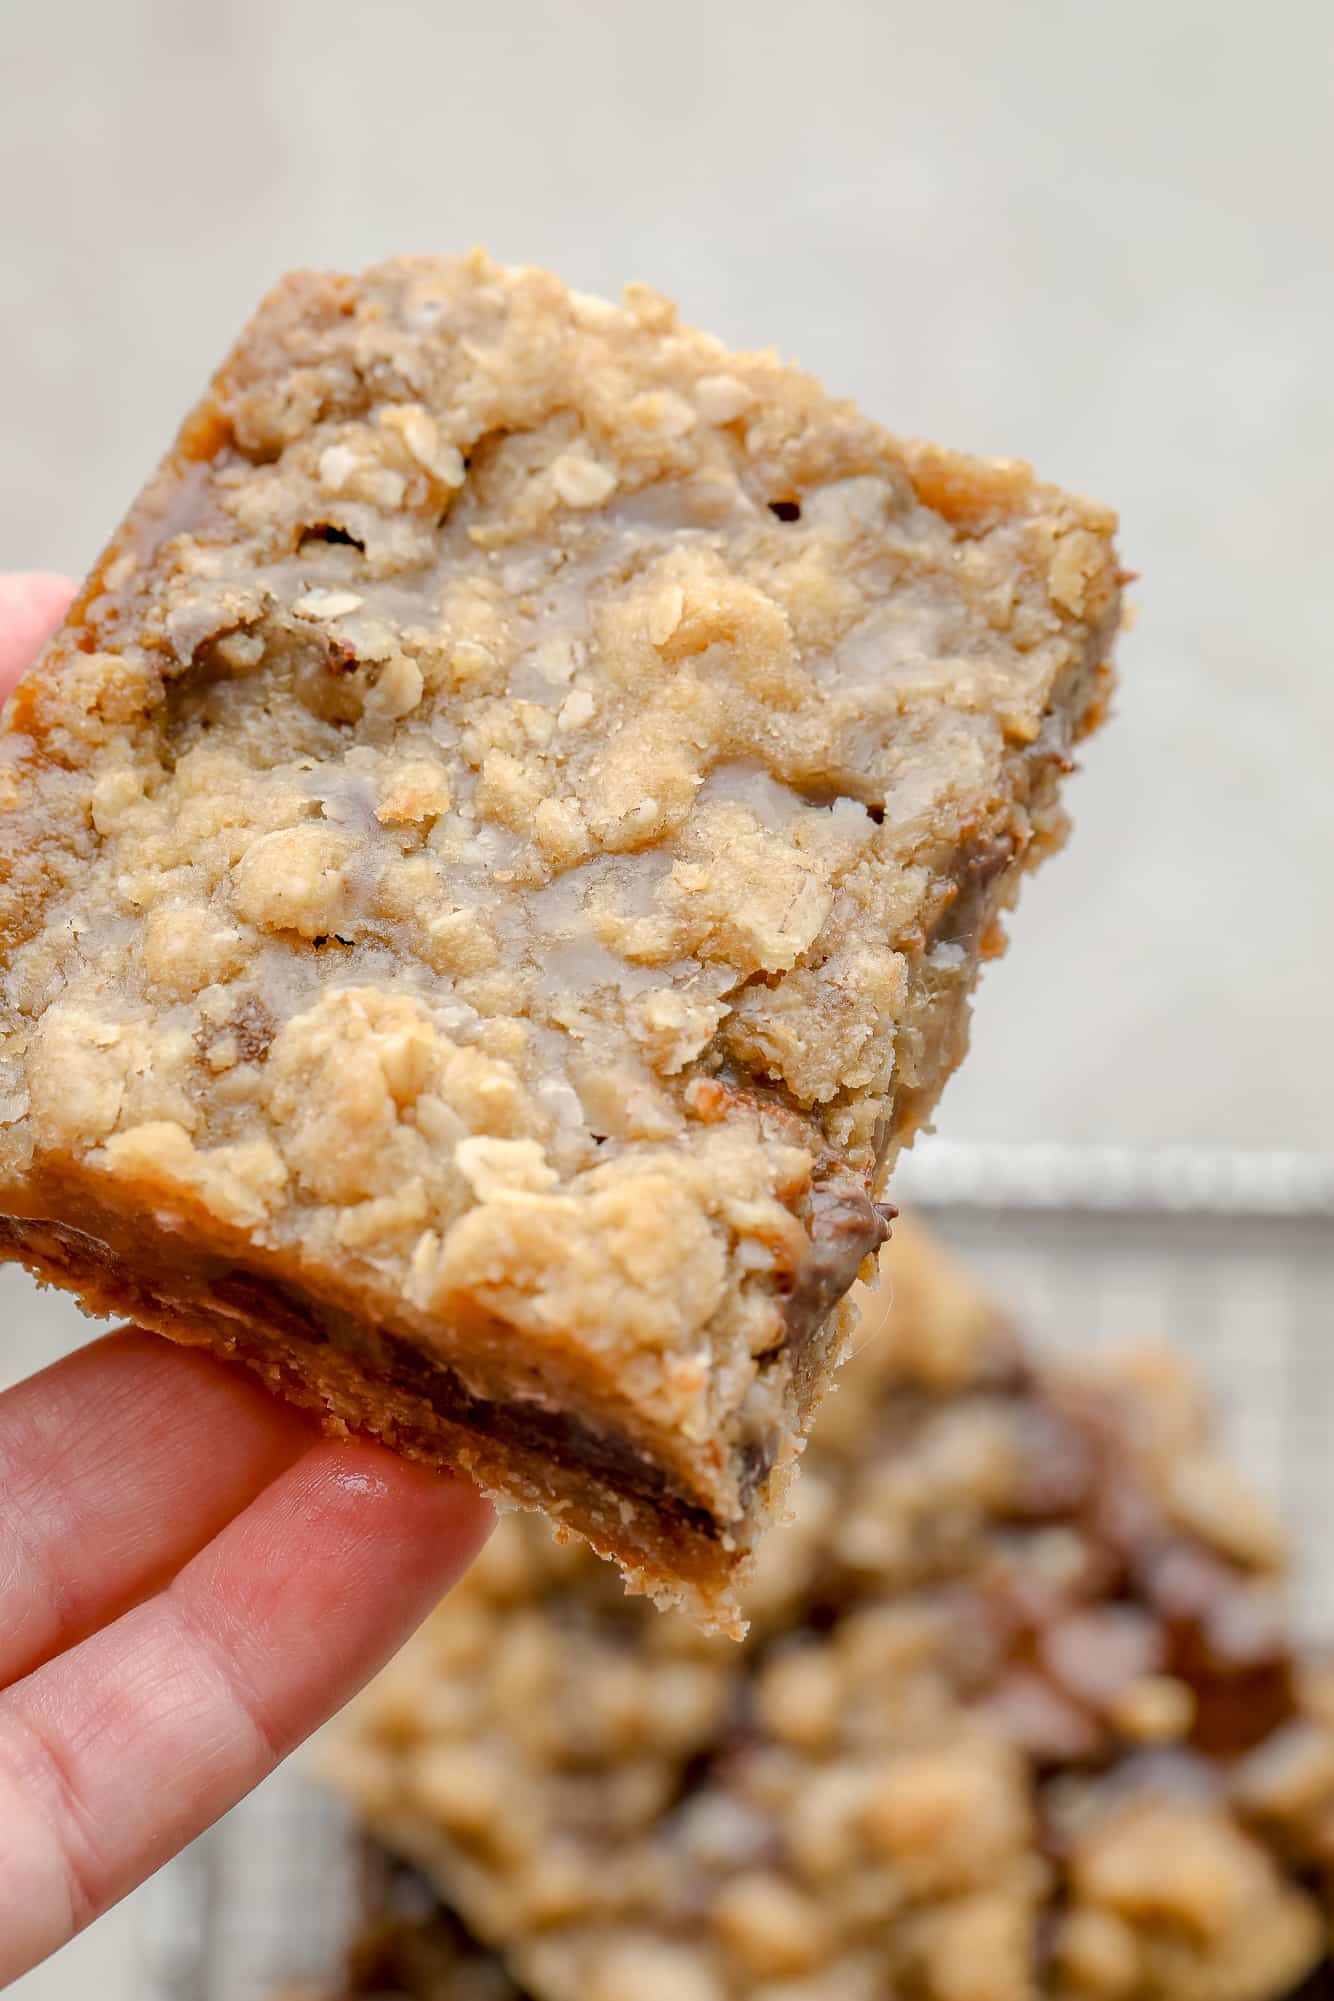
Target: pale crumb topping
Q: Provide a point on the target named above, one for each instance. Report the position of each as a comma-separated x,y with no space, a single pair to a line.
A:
506,713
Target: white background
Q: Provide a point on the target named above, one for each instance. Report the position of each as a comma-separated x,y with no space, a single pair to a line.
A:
1094,236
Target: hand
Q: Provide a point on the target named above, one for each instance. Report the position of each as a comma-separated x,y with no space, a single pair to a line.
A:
191,1580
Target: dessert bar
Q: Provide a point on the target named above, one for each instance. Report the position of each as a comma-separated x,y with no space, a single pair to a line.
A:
493,868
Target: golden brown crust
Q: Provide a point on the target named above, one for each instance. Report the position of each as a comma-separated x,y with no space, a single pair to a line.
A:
587,1476
506,719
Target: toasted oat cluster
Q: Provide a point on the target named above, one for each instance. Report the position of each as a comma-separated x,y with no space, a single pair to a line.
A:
493,868
1016,1715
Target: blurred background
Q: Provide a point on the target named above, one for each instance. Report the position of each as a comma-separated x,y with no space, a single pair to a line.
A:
1095,237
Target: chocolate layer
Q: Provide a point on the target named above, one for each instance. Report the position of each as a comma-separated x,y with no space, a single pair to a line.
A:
191,1284
846,1226
569,1440
307,1324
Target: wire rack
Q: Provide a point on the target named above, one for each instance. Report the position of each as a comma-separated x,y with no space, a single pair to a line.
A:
1232,1255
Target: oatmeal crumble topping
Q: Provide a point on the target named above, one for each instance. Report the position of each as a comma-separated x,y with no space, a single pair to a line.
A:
507,835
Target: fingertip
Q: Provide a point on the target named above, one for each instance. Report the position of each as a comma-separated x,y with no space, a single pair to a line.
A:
365,1462
313,1587
465,1510
32,604
423,1493
48,591
377,1496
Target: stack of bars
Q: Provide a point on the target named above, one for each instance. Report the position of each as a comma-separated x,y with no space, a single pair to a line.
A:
1016,1715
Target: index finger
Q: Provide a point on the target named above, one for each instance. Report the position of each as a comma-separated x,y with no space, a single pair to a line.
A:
119,1752
32,604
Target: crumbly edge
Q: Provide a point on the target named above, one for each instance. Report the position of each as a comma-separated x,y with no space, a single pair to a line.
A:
668,1547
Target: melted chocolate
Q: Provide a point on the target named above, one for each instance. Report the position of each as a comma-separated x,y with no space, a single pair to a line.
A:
522,1422
304,1323
845,1227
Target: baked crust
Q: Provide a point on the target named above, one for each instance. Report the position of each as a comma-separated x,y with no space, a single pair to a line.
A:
496,859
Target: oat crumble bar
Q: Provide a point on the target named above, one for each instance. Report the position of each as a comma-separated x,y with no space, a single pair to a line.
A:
493,867
1017,1715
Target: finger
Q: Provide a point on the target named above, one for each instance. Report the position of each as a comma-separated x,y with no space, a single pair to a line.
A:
117,1464
32,604
115,1755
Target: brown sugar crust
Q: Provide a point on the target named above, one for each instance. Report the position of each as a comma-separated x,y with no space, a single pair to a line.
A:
500,851
363,1379
1017,1714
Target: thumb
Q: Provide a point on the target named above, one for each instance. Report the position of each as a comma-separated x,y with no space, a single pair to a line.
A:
32,604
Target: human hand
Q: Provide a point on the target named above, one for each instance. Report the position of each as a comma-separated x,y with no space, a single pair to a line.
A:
191,1580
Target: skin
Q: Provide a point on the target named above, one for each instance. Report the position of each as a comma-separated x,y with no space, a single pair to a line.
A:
191,1580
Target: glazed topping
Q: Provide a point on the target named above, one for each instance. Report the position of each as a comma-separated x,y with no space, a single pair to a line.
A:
511,713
